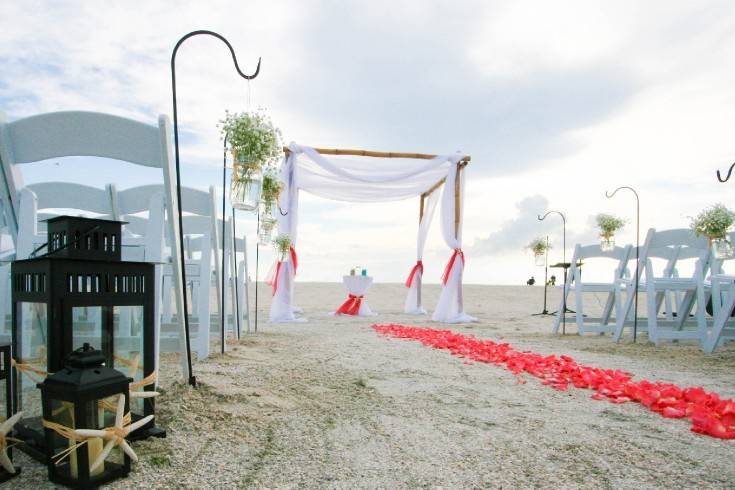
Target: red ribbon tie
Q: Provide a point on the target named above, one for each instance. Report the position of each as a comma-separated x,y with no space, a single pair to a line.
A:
351,306
419,267
448,269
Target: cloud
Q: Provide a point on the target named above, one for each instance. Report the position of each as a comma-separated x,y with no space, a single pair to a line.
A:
515,234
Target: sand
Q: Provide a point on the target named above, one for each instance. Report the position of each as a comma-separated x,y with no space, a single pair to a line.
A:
332,404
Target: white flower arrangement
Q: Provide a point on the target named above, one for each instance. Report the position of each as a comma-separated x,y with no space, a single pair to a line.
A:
282,244
714,222
609,224
538,246
252,137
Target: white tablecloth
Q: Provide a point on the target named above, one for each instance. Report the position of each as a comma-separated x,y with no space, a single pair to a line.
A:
358,286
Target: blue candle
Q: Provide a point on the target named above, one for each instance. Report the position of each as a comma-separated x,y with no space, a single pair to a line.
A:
364,272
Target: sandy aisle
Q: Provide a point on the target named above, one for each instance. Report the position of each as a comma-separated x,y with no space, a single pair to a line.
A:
330,403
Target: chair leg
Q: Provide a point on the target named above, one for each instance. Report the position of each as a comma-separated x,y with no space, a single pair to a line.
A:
579,316
166,286
4,298
721,319
652,316
622,309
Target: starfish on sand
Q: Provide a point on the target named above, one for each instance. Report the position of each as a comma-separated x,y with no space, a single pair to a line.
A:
5,427
115,436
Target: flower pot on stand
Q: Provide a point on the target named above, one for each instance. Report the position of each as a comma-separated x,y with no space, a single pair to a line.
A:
721,248
607,243
247,181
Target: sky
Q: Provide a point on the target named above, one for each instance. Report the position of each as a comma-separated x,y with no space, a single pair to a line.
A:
556,102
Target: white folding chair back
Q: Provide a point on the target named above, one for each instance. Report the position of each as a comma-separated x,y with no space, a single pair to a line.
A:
674,247
80,133
619,257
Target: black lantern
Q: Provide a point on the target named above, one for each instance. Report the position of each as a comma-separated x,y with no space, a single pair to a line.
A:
5,396
84,395
81,292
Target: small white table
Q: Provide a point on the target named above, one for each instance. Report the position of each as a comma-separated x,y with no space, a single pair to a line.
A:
356,287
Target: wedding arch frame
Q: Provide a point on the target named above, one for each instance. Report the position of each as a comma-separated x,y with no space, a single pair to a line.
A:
463,161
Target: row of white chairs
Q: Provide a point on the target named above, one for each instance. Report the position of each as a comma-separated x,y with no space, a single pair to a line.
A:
675,306
151,233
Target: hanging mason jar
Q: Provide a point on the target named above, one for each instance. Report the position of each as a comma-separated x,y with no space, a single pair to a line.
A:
247,181
540,259
721,248
607,243
267,224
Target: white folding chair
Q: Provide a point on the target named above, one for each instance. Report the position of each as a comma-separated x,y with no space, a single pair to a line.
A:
79,133
199,207
723,305
681,293
619,256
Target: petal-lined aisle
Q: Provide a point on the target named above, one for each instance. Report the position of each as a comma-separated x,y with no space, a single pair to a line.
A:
708,413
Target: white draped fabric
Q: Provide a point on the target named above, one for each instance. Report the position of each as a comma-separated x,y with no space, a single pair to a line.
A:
413,304
449,308
367,179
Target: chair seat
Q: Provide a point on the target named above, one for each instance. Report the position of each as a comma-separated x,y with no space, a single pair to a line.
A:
595,287
679,283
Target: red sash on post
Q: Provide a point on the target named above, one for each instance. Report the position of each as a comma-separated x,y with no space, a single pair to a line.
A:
351,306
274,284
294,260
448,269
419,267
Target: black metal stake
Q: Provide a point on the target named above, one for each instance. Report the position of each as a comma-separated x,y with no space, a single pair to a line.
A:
257,262
235,273
563,312
222,270
192,379
637,249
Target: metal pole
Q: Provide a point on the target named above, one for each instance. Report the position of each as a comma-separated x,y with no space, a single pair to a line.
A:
222,273
234,272
637,251
192,379
563,311
257,262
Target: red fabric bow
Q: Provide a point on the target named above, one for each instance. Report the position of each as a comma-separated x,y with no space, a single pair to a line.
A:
448,269
294,260
709,413
274,284
419,267
351,306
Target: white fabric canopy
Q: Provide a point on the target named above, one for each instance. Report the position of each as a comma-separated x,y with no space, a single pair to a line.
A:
368,179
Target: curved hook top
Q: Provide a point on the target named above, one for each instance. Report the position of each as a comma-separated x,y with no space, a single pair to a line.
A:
563,218
609,195
221,38
729,172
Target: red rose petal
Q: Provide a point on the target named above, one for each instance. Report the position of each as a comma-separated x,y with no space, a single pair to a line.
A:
708,413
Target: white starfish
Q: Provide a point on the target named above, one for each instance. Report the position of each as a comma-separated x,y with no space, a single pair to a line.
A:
5,427
115,436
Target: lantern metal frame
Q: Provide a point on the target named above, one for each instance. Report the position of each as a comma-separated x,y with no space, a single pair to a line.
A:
5,370
61,386
63,284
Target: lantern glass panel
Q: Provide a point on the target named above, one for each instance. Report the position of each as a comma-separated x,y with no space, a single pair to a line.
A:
128,345
87,326
96,417
32,318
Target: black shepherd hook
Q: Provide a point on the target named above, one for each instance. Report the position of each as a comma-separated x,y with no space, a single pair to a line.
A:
638,248
729,172
192,379
563,311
